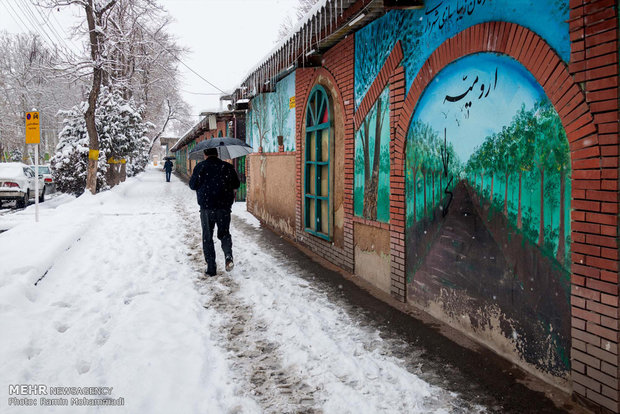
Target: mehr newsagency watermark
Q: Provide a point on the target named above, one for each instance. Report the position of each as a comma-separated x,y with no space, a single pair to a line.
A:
46,396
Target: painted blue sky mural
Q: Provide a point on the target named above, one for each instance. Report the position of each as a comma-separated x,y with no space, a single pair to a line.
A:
475,97
422,31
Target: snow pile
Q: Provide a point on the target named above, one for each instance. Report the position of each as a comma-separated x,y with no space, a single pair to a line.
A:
11,170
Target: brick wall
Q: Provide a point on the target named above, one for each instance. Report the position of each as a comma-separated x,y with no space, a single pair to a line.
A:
594,64
585,95
398,208
338,67
393,75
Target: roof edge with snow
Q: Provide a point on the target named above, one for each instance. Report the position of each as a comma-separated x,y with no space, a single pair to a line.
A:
327,23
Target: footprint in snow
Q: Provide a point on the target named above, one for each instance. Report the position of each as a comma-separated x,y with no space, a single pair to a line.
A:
61,327
102,337
82,366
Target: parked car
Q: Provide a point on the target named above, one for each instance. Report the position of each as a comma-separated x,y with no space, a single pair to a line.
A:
17,182
46,172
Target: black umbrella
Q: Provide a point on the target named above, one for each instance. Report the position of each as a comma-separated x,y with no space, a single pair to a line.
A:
227,148
170,158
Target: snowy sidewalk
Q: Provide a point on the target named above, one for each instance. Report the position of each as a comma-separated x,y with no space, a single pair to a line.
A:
123,303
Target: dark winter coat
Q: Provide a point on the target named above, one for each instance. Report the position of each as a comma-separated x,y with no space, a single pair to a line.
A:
168,166
215,182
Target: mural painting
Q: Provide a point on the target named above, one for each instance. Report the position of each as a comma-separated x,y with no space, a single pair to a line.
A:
372,162
424,30
271,116
488,206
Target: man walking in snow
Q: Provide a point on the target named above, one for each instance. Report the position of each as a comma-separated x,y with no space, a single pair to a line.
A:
168,168
215,182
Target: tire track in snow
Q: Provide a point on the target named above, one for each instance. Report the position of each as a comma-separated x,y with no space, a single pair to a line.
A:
255,359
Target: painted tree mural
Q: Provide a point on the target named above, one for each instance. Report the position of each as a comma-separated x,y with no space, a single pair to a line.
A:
533,147
283,117
372,162
426,152
496,227
260,120
487,175
271,116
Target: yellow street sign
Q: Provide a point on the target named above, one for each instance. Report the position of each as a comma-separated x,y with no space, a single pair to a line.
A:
33,134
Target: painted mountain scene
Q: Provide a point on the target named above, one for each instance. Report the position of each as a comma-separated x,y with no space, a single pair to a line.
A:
488,209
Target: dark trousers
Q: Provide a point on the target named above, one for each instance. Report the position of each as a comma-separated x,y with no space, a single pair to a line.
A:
168,175
208,219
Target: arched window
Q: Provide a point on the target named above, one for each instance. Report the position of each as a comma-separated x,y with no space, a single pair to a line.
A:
317,188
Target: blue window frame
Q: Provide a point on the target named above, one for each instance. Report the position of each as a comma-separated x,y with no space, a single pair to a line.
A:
317,187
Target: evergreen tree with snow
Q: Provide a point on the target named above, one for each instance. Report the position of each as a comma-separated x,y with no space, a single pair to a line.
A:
70,163
122,135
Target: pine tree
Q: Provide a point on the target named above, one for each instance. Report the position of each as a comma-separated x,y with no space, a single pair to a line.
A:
122,135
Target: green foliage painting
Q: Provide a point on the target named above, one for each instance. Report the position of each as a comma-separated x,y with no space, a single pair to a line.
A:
502,138
524,171
372,162
426,179
488,205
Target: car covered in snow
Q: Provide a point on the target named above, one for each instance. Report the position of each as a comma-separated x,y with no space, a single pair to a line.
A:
17,182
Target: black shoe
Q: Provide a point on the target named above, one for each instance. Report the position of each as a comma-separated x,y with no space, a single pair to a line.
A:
229,264
210,272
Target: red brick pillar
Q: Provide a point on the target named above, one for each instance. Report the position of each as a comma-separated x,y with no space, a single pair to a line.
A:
595,197
397,189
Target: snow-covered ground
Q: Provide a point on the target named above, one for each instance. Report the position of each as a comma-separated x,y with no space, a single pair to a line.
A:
120,301
12,216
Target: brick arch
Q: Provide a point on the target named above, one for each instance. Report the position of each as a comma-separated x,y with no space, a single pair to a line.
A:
591,271
551,73
531,51
338,111
318,72
594,227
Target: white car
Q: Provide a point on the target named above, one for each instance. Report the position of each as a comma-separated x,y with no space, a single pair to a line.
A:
17,183
46,172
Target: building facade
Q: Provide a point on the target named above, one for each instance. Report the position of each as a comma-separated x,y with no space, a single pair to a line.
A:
212,125
461,156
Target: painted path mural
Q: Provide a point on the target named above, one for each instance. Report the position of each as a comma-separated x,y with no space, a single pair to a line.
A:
272,116
488,206
372,162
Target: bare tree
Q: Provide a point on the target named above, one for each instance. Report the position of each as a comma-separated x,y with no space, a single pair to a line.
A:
27,83
129,50
96,13
145,63
260,118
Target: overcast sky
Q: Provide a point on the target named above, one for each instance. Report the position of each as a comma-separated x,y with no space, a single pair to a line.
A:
226,38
